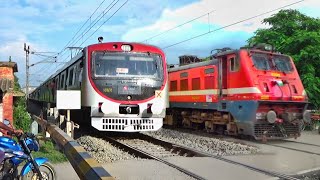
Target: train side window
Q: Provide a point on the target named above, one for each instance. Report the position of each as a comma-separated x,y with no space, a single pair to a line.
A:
71,76
209,82
195,83
184,85
209,71
62,81
234,64
184,74
57,83
173,86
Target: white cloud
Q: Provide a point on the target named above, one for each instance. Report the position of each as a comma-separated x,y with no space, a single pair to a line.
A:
224,13
49,25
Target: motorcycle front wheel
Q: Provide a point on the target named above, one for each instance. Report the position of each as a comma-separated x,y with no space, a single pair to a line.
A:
47,172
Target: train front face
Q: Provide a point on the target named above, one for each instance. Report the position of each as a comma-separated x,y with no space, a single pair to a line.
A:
281,106
129,87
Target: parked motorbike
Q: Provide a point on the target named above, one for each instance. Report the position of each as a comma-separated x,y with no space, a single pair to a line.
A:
17,153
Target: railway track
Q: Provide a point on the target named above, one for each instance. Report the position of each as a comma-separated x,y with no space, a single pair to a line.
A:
145,149
148,147
285,144
296,146
315,145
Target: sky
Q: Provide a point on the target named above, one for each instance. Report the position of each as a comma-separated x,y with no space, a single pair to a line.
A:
193,27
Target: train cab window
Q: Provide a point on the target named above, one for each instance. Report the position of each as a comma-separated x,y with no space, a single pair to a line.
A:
195,83
234,64
184,85
261,62
282,63
173,86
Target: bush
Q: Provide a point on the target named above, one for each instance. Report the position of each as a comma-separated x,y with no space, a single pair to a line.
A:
22,119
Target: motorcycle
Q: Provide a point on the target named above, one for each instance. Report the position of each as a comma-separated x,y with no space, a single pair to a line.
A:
16,153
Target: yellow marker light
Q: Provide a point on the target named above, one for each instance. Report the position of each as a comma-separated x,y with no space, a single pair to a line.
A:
275,75
265,97
297,97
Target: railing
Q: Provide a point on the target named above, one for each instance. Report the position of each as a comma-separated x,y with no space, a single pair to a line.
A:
85,166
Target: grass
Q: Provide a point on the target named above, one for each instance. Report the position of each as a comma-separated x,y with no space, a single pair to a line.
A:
48,150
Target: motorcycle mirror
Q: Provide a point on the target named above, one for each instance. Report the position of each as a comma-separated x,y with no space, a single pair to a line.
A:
6,122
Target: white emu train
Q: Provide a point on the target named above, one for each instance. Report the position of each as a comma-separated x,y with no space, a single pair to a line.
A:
123,87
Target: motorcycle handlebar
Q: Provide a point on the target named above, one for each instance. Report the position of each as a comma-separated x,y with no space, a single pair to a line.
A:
26,135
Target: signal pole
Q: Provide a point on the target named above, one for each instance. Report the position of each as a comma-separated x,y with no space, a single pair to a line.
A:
27,50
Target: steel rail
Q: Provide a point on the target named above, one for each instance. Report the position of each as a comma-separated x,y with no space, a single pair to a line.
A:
290,141
203,154
144,154
293,149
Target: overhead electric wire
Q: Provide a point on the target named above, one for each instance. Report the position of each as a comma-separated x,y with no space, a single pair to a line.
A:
63,51
95,21
84,24
105,21
91,26
74,38
187,22
232,24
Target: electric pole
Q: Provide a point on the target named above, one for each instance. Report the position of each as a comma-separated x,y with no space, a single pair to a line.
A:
27,50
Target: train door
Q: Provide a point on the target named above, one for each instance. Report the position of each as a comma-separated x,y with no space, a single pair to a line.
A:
223,77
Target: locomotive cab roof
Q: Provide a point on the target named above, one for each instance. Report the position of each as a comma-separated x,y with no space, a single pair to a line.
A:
189,66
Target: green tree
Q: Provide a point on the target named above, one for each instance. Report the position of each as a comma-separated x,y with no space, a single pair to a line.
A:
297,35
22,119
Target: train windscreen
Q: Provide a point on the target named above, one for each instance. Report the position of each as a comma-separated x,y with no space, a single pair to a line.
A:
272,62
110,64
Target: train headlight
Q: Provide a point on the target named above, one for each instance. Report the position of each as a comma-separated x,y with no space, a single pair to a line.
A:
126,47
109,108
156,108
271,117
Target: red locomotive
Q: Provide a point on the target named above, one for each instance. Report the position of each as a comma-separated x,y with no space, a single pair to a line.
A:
251,91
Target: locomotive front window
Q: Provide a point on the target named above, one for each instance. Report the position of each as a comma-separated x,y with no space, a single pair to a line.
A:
127,64
272,62
261,61
282,63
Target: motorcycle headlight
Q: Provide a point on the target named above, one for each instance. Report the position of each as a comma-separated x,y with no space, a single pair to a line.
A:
32,144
